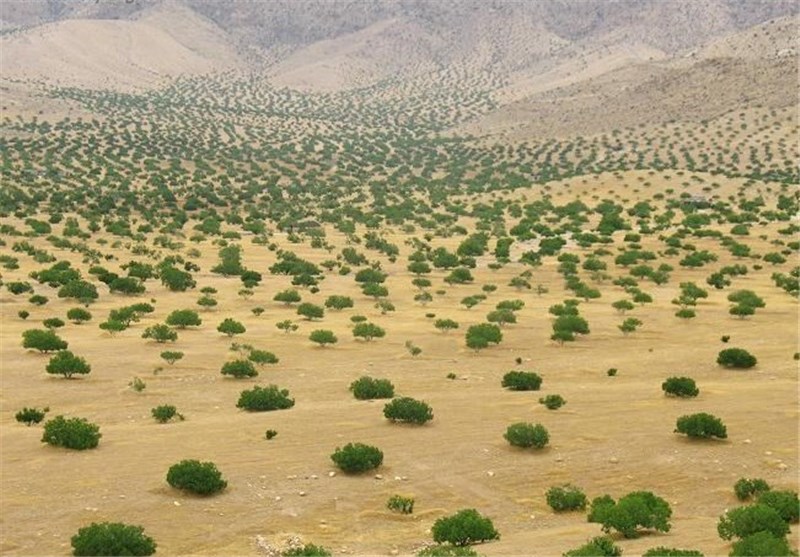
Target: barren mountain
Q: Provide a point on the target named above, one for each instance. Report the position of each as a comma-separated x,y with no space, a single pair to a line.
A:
554,66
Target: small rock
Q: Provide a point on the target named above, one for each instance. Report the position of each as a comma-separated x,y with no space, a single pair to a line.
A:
302,493
378,477
313,476
613,460
122,497
176,503
331,474
559,458
768,453
278,497
91,509
783,466
747,441
291,477
262,477
490,473
397,478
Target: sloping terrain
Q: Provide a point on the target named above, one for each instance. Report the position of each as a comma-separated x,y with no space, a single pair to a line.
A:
161,45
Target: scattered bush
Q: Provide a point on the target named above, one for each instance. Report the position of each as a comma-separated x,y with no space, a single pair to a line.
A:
683,387
307,550
270,434
368,388
239,369
737,358
639,509
762,544
745,488
165,413
671,552
355,458
194,476
522,381
71,433
701,425
78,315
264,399
67,364
171,356
43,341
742,522
111,539
400,504
323,337
552,402
465,527
785,503
527,435
566,498
30,416
596,547
408,410
231,327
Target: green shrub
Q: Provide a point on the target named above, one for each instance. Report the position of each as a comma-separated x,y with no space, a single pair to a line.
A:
270,434
72,433
527,435
408,410
165,413
762,544
110,539
194,476
355,458
638,509
368,388
566,498
67,364
239,369
43,341
737,358
745,488
785,503
465,527
400,504
30,416
263,399
683,387
522,381
307,550
742,522
671,552
553,402
702,426
596,547
78,315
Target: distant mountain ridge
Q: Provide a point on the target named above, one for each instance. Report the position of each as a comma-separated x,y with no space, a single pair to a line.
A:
553,62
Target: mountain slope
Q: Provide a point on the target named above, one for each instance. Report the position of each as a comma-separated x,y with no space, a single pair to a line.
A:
157,46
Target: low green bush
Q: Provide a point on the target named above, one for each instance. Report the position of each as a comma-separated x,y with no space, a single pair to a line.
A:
527,435
369,388
355,458
111,539
201,478
566,498
265,399
71,433
522,381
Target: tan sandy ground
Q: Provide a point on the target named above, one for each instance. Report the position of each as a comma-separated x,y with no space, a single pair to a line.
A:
614,435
